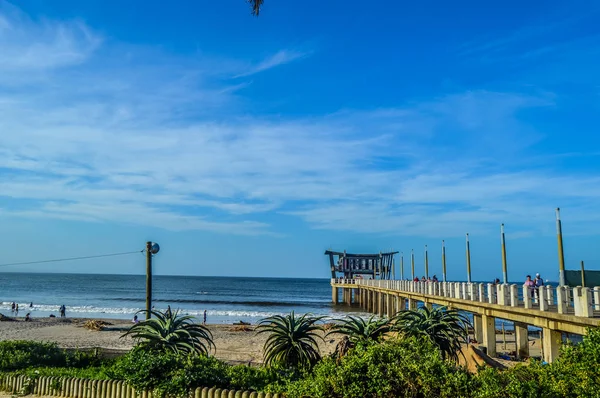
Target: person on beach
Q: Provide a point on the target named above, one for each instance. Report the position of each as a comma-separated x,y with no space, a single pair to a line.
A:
28,317
63,311
12,308
204,322
17,310
135,319
31,305
530,284
168,312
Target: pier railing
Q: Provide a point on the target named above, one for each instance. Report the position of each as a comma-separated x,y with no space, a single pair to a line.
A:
578,301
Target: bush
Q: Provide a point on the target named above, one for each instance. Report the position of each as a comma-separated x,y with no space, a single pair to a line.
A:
411,367
168,373
242,377
16,355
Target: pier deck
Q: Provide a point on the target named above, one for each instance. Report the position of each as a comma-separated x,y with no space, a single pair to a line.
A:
553,309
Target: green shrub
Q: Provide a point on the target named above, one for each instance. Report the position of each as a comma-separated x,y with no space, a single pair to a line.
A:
168,373
410,367
95,373
576,373
242,377
15,355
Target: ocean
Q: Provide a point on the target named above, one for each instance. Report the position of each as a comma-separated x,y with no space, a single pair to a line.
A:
225,299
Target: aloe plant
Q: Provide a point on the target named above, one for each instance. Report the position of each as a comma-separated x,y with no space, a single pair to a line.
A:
447,329
173,332
292,340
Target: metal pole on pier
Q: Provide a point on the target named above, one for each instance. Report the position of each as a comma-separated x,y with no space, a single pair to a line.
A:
503,241
426,264
561,255
443,261
412,262
468,260
582,275
402,266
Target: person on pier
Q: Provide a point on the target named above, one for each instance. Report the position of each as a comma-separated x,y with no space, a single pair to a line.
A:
530,285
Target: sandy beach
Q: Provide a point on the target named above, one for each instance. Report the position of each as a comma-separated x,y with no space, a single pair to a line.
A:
232,344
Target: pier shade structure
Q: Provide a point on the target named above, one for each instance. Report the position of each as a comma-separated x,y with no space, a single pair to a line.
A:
554,309
374,266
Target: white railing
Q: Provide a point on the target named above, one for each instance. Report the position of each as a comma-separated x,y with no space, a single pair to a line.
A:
580,301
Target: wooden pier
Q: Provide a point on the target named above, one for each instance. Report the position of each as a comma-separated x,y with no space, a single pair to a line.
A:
553,309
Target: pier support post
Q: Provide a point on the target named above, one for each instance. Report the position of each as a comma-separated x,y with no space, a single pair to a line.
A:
552,340
379,303
390,306
412,304
489,334
522,340
402,306
478,328
428,304
334,294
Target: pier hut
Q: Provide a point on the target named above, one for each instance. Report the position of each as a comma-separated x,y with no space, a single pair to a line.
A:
359,266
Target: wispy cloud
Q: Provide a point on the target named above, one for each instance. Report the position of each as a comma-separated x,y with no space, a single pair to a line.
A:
31,45
150,143
282,57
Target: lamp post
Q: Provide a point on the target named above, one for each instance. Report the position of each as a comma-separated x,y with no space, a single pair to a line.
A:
151,249
468,260
402,265
412,262
503,241
426,264
561,255
443,262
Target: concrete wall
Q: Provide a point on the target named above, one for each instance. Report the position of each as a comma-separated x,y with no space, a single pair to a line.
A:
84,388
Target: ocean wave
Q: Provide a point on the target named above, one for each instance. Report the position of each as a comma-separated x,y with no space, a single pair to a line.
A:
256,303
86,309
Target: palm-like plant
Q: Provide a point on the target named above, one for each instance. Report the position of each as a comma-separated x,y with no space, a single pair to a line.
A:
445,328
173,332
358,330
292,340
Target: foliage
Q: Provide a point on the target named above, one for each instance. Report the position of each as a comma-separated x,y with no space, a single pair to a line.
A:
167,372
264,378
410,367
173,332
292,340
94,372
359,331
445,328
15,355
576,373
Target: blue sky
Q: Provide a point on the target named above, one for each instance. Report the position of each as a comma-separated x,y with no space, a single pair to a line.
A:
246,146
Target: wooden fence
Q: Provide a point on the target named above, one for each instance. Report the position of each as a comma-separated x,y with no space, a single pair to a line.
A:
85,388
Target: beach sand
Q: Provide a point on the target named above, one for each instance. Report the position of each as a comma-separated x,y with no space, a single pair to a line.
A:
232,345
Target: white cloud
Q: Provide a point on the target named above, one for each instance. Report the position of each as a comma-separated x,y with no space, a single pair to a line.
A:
30,45
157,140
281,57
